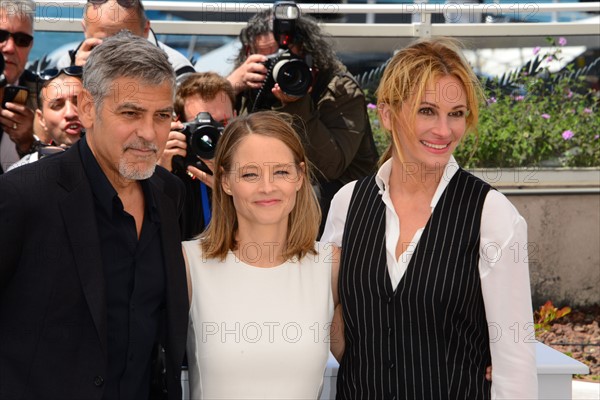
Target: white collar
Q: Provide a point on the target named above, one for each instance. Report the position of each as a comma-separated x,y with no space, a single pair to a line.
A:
383,178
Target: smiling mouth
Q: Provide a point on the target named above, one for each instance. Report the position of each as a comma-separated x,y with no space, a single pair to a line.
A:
269,202
435,146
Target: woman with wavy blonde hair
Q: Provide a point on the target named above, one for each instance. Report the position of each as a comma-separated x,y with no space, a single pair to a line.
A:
263,292
430,287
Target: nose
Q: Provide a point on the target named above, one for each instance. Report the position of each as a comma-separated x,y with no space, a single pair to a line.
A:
70,110
443,127
147,129
266,181
8,46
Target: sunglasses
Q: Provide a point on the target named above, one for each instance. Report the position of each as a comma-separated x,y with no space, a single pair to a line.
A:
122,3
21,39
49,74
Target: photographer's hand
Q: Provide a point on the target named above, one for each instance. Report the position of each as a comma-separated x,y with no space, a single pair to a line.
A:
17,122
176,146
207,179
284,98
85,49
249,75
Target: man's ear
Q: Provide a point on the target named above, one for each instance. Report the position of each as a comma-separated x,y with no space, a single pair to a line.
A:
41,119
86,108
146,29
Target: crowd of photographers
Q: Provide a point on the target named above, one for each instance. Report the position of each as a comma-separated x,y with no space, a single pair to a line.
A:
286,63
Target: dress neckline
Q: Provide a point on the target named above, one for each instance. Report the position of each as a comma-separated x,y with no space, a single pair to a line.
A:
231,255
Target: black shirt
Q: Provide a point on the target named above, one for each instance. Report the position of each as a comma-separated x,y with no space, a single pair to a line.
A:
135,283
193,220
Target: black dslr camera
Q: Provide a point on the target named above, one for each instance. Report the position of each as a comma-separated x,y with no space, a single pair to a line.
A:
202,135
291,72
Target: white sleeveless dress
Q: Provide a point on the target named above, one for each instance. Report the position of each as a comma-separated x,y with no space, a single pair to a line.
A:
258,333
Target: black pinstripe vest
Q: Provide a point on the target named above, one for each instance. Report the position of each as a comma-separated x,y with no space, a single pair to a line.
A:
428,339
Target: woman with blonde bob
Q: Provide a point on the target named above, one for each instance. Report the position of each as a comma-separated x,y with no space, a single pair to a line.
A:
441,265
263,292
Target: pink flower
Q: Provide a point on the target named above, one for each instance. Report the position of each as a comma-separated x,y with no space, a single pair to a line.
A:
491,100
587,110
371,106
596,137
567,135
549,59
519,98
546,116
536,50
562,41
569,95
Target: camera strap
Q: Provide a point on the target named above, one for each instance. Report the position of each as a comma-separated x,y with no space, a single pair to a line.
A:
206,212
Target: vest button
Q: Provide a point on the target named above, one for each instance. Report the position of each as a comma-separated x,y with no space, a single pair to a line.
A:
98,381
390,331
389,300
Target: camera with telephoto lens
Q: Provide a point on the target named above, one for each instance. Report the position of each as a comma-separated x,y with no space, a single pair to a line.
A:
201,135
291,72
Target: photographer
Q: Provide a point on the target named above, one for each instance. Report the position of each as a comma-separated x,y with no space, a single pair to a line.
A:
105,18
16,117
205,92
57,112
331,116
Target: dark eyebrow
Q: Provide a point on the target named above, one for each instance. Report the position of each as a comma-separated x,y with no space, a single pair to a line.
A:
129,106
169,110
135,107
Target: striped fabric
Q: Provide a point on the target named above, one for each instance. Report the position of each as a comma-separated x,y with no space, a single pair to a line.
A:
428,339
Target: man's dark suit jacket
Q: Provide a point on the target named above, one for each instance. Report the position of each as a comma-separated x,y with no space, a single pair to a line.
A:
52,291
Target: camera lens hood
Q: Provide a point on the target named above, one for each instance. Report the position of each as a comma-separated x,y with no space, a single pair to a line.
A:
293,76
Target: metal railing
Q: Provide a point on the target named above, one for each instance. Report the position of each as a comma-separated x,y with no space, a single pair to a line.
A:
209,24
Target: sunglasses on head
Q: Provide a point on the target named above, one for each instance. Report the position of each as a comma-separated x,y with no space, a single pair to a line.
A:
21,39
49,74
122,3
45,76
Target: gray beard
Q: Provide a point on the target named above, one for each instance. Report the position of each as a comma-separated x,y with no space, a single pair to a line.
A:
128,171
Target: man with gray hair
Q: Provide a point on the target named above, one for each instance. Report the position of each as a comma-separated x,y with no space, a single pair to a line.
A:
94,281
16,41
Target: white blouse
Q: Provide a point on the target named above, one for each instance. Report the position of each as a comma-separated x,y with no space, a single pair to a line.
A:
504,272
258,333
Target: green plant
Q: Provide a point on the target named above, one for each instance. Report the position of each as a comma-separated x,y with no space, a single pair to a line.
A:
540,119
532,117
547,314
